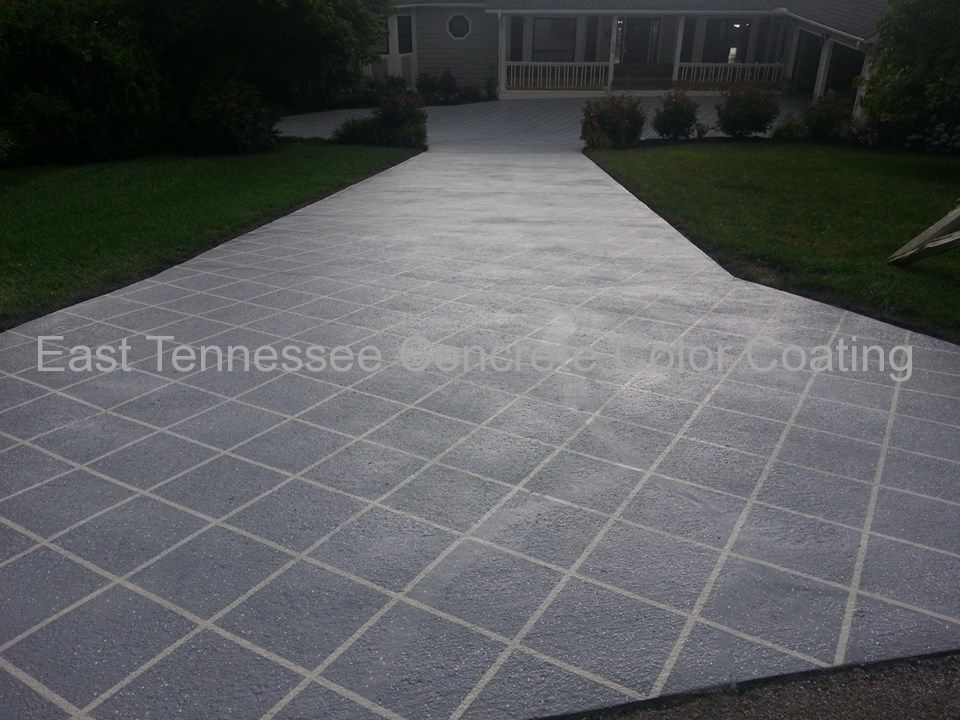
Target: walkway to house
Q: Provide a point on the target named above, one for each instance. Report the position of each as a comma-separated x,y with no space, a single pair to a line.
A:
552,534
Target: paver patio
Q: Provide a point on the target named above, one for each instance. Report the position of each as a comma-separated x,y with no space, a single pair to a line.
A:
467,543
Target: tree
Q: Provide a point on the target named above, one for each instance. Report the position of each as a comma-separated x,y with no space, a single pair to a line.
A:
914,82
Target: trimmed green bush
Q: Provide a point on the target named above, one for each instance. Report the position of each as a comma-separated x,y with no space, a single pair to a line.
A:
230,118
400,121
445,90
791,128
746,111
828,119
361,131
676,117
612,122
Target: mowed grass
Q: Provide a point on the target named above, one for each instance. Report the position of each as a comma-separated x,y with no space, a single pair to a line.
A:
68,233
817,221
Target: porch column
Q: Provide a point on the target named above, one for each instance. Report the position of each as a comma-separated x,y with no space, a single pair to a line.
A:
415,54
679,48
613,52
528,38
502,64
699,38
580,45
858,113
752,39
793,44
394,66
826,54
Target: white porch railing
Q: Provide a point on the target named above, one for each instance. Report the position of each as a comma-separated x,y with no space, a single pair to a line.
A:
557,75
731,73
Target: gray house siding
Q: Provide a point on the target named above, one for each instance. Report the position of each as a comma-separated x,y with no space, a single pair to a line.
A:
471,59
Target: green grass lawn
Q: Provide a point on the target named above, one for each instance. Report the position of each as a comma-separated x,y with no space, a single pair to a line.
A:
67,233
817,221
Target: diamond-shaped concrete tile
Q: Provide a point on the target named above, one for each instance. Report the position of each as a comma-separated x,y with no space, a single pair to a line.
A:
123,538
527,687
626,641
402,385
715,467
12,543
55,505
384,547
466,401
925,475
799,543
116,387
421,432
316,701
168,404
765,402
108,638
925,437
304,614
210,571
352,413
493,454
585,481
830,453
38,585
652,565
543,528
816,493
447,497
646,408
42,415
365,469
289,394
881,631
741,432
86,439
620,442
14,391
539,421
296,515
152,460
206,677
415,664
22,466
573,391
858,422
292,446
226,425
25,704
903,572
711,657
487,587
799,614
220,486
686,510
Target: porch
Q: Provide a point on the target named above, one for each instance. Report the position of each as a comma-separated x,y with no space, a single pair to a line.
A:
644,52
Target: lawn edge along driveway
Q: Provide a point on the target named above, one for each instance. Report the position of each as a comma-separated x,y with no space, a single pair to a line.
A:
818,221
68,233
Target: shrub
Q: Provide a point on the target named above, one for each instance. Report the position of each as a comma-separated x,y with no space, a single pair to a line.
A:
230,118
677,116
361,131
746,111
702,130
8,147
399,110
400,121
612,122
444,90
828,119
941,139
790,129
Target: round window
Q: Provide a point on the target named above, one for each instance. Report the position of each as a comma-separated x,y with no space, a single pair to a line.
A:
458,26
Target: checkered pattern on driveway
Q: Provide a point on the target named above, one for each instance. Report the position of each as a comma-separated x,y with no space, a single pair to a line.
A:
467,542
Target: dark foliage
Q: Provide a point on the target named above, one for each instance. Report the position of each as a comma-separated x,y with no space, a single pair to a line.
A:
399,121
746,111
445,89
828,120
676,117
612,122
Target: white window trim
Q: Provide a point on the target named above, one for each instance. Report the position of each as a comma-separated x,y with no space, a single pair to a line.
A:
469,26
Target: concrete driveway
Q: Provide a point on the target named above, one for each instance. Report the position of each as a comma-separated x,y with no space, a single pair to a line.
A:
550,525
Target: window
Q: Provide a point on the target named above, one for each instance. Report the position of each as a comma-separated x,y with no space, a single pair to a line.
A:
554,39
405,34
458,26
516,38
383,47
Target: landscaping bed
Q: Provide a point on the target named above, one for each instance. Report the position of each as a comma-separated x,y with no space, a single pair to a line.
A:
816,220
71,232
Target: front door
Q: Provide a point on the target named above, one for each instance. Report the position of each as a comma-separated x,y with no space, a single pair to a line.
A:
638,44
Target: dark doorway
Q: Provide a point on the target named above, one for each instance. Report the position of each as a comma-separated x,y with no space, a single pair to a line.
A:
846,64
726,41
637,54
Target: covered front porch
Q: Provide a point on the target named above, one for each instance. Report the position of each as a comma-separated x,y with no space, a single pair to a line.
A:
580,52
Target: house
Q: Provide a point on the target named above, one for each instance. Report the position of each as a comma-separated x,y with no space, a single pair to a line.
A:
591,46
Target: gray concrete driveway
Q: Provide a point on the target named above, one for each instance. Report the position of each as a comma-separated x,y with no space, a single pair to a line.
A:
549,526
